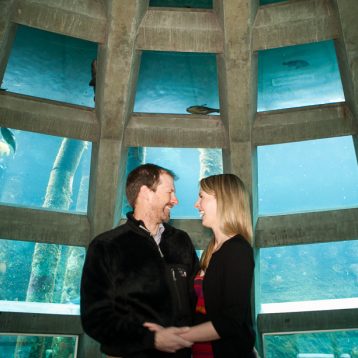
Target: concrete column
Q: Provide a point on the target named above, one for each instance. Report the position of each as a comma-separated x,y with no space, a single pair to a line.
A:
237,71
117,72
347,51
7,34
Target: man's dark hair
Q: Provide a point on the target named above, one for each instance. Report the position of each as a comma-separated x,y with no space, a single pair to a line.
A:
146,174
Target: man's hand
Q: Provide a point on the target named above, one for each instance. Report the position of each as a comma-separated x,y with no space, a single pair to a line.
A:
168,339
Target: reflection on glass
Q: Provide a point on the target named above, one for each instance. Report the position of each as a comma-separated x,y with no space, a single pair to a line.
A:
41,346
298,76
309,272
44,171
52,66
39,273
171,82
333,344
204,4
307,176
189,164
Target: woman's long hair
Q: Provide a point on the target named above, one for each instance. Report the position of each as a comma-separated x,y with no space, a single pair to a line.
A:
233,209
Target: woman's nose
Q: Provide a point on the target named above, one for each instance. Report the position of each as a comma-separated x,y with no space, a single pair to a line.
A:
196,205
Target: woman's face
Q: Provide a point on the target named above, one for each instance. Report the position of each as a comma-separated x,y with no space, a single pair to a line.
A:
207,206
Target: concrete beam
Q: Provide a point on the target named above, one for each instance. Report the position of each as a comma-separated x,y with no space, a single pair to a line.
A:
307,321
237,72
82,19
297,124
44,226
117,71
184,30
48,117
198,233
118,66
168,130
35,323
293,23
307,228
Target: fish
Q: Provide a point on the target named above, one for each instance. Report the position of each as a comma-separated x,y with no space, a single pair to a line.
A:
92,83
296,64
9,138
202,110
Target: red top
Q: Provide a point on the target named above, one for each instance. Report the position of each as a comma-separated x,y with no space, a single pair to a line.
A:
201,349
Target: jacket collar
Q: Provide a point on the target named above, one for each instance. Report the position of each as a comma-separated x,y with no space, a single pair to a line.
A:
140,226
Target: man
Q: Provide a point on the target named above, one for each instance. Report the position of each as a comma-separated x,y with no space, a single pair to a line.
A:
141,271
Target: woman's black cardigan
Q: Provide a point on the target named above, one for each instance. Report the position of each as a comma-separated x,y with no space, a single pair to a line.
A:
227,294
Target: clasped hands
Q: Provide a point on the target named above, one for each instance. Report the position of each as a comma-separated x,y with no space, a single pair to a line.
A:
168,339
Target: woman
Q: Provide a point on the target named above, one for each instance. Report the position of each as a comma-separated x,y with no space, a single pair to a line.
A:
227,265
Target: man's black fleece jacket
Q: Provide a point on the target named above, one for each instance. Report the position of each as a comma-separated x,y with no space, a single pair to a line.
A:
127,281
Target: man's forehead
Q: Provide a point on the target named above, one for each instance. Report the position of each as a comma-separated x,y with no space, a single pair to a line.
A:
166,179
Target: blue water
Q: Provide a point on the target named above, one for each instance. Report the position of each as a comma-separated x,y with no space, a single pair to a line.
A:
298,76
205,4
307,176
171,82
309,272
331,344
48,65
25,174
265,2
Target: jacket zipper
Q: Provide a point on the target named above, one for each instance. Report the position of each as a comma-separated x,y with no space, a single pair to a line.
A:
176,288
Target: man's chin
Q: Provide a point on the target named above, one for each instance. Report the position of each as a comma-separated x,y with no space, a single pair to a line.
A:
166,216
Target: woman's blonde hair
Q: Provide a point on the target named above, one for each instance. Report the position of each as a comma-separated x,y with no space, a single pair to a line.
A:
233,209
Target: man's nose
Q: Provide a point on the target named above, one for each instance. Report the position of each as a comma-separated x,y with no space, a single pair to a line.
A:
174,200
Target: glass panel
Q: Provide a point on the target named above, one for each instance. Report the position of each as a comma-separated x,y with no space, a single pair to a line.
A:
39,346
333,344
189,164
298,76
33,273
52,66
307,273
205,4
38,170
306,176
172,82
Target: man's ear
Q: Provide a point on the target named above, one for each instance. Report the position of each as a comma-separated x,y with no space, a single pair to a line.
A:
144,192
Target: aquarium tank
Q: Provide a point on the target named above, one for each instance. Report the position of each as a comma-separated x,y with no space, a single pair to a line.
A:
52,173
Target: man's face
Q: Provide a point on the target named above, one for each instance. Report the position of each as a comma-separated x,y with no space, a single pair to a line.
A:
163,199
